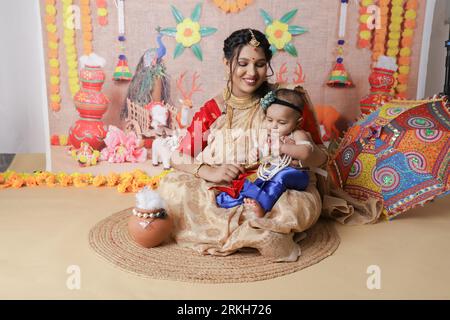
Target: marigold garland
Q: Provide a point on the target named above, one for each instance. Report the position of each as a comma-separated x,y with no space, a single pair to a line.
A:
86,26
102,12
232,6
71,51
395,26
365,34
379,40
52,55
124,182
404,60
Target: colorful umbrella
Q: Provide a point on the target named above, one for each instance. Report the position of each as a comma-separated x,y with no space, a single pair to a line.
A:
399,153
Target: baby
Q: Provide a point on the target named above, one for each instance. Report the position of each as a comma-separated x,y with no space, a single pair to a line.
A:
276,174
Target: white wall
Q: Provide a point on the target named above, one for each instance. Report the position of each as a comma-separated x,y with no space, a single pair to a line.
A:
436,58
23,118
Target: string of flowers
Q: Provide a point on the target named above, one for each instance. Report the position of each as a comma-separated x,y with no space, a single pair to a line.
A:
124,182
365,34
379,41
404,60
86,25
232,6
102,12
70,49
52,55
394,35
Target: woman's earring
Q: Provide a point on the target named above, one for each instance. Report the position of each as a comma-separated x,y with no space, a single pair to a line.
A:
227,77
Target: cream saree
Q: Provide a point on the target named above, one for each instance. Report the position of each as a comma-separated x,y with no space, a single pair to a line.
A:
203,226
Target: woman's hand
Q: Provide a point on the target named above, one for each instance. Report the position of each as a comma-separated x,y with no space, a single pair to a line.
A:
225,173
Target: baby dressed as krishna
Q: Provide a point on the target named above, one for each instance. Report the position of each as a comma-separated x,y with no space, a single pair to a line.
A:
286,166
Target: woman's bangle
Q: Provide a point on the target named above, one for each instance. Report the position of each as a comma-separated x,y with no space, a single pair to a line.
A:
198,169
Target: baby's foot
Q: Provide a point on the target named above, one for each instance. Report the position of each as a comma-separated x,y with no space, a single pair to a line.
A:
256,207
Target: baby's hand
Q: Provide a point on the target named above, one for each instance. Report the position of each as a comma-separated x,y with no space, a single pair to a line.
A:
287,140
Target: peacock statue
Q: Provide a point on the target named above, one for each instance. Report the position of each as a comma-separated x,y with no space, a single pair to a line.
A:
150,82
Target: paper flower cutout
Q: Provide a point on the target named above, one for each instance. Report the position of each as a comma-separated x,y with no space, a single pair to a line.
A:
232,6
188,32
279,32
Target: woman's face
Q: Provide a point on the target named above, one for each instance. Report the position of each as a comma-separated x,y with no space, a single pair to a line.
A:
249,71
282,119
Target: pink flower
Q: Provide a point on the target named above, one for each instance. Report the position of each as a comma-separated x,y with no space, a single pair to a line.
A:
121,147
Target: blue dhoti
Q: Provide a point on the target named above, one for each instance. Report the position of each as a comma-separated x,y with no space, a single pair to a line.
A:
267,192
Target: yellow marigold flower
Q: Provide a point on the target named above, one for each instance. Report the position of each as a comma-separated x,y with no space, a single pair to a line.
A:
405,52
30,181
122,188
41,177
278,34
79,182
135,186
188,32
50,181
410,14
65,180
366,3
17,182
366,35
102,12
99,181
112,179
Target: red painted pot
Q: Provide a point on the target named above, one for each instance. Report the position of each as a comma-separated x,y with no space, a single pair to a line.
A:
91,104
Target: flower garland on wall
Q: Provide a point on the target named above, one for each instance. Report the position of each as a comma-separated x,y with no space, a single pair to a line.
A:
379,40
232,6
404,60
365,34
69,42
394,37
52,54
86,24
102,12
395,27
124,182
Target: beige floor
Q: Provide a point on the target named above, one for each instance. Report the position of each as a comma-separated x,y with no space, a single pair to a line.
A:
44,230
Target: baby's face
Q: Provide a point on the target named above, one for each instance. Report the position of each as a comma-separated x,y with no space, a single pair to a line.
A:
282,119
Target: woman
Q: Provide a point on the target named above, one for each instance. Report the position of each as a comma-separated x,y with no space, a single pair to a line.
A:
213,153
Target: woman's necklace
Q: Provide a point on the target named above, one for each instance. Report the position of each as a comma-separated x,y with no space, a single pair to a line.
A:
231,103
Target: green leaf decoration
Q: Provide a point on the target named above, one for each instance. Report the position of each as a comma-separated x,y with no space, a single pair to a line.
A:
171,32
288,16
296,30
206,31
177,15
289,48
273,49
267,18
195,16
179,49
197,51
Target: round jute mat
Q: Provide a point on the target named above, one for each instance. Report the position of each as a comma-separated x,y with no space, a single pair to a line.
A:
110,239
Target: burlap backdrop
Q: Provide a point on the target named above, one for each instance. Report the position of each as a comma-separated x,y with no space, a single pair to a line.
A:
316,50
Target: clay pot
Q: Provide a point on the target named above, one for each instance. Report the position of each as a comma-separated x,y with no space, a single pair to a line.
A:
149,232
91,104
